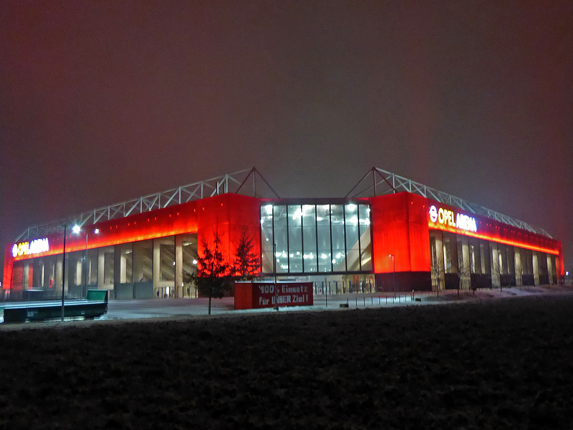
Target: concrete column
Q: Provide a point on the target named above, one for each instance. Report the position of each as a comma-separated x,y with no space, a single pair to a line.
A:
465,275
88,266
122,268
46,276
179,266
156,262
39,276
67,274
92,268
116,266
25,275
36,272
137,263
550,269
441,275
477,258
510,260
52,274
535,268
78,273
100,267
58,281
482,260
495,279
454,254
518,267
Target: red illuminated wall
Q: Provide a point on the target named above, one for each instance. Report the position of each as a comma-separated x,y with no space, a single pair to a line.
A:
18,278
559,266
229,211
401,225
228,214
488,229
400,228
494,231
8,267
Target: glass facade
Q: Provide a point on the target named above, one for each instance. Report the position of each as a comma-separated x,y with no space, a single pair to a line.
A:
315,238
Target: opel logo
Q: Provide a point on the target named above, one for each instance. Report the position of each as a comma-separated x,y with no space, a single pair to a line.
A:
433,213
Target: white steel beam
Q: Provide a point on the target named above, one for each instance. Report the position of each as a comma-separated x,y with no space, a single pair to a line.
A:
392,183
183,194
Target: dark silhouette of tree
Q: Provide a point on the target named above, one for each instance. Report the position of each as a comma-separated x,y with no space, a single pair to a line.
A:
212,277
247,264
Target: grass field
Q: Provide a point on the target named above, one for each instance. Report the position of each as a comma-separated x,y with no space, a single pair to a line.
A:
503,364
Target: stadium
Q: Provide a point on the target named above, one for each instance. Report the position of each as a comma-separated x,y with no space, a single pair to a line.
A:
388,233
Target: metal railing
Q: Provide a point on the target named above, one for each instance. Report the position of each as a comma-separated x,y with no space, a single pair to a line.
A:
379,182
229,183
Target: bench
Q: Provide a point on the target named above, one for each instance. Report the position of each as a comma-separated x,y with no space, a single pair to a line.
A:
94,306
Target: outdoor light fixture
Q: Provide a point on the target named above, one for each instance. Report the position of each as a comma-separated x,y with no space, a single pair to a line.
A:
76,229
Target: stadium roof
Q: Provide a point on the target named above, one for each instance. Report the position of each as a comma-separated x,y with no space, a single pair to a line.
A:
249,181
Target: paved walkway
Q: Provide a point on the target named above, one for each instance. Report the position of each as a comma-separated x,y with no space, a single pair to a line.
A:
177,308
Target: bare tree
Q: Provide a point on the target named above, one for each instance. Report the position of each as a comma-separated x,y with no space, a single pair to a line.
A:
464,278
438,275
212,277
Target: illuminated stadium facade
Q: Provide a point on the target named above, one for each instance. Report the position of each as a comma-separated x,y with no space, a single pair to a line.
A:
388,233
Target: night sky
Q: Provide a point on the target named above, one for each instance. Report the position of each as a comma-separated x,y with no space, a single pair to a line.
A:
105,101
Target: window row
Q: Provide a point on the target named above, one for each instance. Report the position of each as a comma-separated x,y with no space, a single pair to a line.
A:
316,238
148,261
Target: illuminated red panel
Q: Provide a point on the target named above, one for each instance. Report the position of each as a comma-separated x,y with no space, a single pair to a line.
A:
17,279
419,232
8,267
244,295
245,213
389,233
232,212
400,228
559,266
488,229
401,224
229,214
150,225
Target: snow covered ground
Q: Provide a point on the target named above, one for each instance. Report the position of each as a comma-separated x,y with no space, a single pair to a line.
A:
481,363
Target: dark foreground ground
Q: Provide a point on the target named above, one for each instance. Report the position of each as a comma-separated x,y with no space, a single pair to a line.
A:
494,365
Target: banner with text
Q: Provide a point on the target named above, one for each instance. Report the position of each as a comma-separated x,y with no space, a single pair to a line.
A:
267,294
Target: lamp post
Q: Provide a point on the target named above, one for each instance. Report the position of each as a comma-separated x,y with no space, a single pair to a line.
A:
76,229
64,271
86,266
393,274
